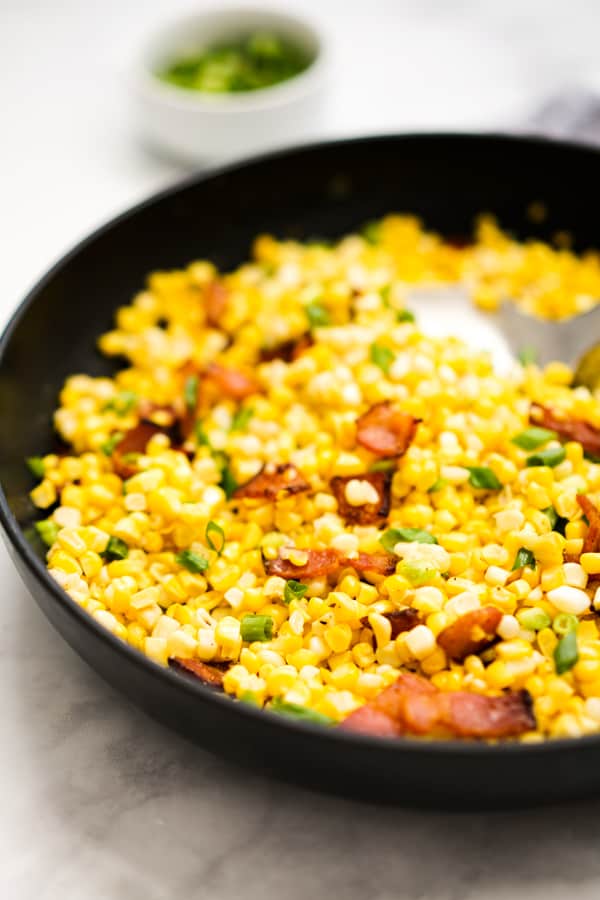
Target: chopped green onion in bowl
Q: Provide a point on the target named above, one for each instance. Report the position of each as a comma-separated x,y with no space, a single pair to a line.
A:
258,60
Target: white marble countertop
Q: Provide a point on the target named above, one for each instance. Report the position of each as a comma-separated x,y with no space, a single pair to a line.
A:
98,802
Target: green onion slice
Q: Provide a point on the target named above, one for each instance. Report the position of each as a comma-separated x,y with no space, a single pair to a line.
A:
524,558
483,478
190,392
213,528
294,590
317,315
47,530
534,437
192,561
382,357
393,536
295,711
35,464
115,549
256,628
566,653
551,456
241,418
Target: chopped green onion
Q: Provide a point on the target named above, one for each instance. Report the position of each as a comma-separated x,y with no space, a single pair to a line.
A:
295,711
371,231
557,523
533,619
35,464
192,561
564,623
251,698
523,558
228,481
527,356
256,628
552,456
393,536
109,445
483,478
417,575
382,357
122,403
47,530
317,315
131,459
383,465
294,590
566,653
190,392
405,315
200,435
384,293
532,438
437,486
115,549
241,418
215,528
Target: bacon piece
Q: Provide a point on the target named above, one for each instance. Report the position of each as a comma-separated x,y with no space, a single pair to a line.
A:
288,351
320,562
230,382
209,675
476,715
367,513
566,427
135,441
371,563
385,430
375,722
216,297
413,705
401,620
591,543
272,481
470,633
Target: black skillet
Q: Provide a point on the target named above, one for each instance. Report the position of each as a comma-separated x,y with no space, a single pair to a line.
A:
324,190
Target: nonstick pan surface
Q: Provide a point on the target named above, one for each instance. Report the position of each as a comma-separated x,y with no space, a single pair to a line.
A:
319,191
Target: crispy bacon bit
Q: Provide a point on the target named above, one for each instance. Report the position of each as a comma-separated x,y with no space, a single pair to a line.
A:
386,430
470,633
216,296
400,620
371,563
570,429
413,705
272,481
135,441
288,351
367,513
209,675
591,543
320,562
230,382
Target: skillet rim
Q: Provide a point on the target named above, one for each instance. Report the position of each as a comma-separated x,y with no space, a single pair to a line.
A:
13,531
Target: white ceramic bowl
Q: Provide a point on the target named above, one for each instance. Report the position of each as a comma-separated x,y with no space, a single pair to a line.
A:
201,127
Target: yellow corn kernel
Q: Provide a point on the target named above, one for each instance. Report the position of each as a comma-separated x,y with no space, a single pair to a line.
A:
547,641
91,563
552,578
435,662
58,559
590,563
339,637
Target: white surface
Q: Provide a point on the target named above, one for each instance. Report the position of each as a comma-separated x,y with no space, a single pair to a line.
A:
99,803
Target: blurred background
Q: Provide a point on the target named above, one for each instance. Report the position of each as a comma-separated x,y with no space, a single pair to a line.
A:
71,155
